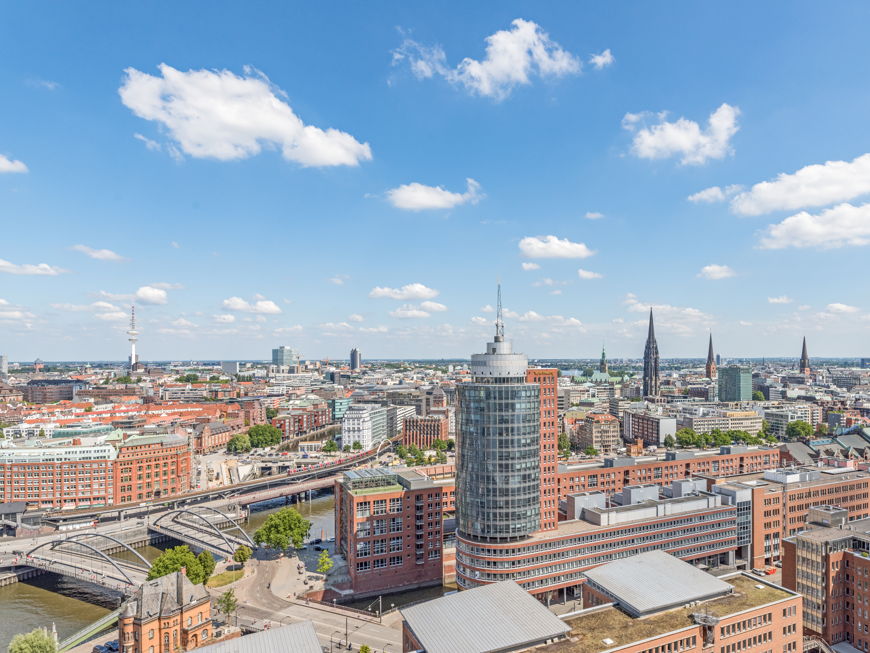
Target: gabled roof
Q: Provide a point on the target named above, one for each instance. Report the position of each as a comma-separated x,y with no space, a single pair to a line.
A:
164,596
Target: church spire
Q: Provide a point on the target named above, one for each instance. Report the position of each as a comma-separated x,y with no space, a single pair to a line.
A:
602,364
804,365
710,369
651,361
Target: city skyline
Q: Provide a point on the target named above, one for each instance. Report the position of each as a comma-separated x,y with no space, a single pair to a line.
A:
361,190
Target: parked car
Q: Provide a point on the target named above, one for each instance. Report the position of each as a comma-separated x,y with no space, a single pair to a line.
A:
113,645
759,572
317,540
318,548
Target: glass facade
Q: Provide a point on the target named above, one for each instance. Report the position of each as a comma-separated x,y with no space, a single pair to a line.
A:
498,476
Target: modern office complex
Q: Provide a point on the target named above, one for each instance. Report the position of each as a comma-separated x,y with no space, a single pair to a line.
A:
355,359
735,383
285,356
364,423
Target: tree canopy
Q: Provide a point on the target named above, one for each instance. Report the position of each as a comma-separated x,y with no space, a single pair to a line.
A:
282,529
324,562
264,435
173,560
757,395
798,430
227,602
206,561
242,554
330,446
188,378
36,641
239,443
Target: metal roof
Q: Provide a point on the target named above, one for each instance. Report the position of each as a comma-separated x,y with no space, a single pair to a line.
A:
655,581
487,618
298,638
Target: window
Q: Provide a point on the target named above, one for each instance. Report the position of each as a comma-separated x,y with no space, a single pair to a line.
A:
364,565
151,634
395,544
362,549
395,561
380,507
395,524
363,509
205,633
380,563
380,527
396,504
380,546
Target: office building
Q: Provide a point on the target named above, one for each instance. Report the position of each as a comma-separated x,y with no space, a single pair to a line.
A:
654,603
4,367
396,416
422,432
338,407
355,359
651,361
547,381
285,357
599,431
49,391
648,426
230,368
364,423
388,527
735,383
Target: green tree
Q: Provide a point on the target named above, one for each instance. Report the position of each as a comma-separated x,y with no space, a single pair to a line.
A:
798,430
123,380
441,458
271,413
670,443
239,443
330,446
590,451
188,378
757,395
356,446
264,435
765,429
402,451
283,528
36,641
687,437
365,648
242,554
564,445
227,602
173,560
721,439
439,445
324,562
206,561
451,444
821,428
346,448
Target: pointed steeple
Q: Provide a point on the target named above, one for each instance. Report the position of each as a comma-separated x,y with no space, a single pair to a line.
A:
651,361
710,368
602,364
651,334
804,365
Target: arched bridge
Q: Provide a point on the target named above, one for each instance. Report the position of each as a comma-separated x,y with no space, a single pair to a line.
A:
203,527
80,556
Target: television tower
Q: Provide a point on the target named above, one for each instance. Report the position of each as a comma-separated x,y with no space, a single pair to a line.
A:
134,359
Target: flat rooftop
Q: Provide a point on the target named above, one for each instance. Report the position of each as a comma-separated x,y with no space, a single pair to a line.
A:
588,631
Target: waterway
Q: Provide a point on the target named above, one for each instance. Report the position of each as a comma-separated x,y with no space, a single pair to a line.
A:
71,605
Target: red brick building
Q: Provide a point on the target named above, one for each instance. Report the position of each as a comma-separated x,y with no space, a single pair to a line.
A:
548,380
298,421
152,466
423,431
388,527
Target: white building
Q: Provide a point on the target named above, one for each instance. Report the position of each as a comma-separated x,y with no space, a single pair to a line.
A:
364,423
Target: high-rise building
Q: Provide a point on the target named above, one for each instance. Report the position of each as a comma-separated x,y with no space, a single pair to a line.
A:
498,471
547,381
710,368
804,364
355,359
735,383
134,336
230,367
285,356
4,367
651,362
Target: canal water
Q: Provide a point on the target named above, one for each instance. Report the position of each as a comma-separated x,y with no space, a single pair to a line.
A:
71,605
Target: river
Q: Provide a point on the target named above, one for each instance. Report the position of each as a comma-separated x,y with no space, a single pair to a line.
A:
71,605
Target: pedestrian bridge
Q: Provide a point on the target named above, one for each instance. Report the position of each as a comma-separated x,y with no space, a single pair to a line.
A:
202,527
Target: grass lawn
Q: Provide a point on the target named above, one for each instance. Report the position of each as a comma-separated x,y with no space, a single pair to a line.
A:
224,578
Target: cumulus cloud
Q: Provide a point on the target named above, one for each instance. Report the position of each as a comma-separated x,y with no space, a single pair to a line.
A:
409,311
433,307
355,317
224,318
552,320
480,321
152,145
408,291
417,197
683,137
553,247
487,308
841,308
601,60
339,279
513,58
528,266
593,215
102,310
681,320
588,274
812,185
839,226
30,269
151,295
782,299
714,194
220,115
11,165
715,272
259,305
98,254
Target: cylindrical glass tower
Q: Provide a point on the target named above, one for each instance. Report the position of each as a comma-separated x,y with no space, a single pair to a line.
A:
498,476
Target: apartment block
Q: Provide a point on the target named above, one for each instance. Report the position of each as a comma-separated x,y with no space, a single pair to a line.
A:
652,428
600,431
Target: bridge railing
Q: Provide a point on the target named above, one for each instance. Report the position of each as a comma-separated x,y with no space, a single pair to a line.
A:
91,629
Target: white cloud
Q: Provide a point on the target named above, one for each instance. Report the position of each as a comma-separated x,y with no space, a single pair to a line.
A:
409,311
433,307
841,225
339,279
715,194
684,137
528,265
552,320
99,254
154,146
553,247
224,318
150,295
102,310
166,285
546,281
782,299
812,185
37,269
513,57
841,308
408,291
714,272
744,323
375,329
593,215
296,328
481,321
11,165
355,317
259,305
182,323
46,84
174,244
588,274
681,320
601,60
487,309
417,197
217,114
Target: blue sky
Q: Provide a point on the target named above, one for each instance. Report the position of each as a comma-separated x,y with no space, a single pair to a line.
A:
272,173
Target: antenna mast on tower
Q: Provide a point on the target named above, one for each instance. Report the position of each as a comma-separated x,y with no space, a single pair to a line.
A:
499,321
